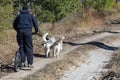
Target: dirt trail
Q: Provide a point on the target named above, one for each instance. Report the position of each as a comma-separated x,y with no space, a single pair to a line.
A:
93,68
41,62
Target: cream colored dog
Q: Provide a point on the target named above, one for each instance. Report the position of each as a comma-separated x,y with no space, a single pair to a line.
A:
48,44
58,47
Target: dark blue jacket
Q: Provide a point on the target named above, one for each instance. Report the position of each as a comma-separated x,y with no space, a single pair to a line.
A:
25,20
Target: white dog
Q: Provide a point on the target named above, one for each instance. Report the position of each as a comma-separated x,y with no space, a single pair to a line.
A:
48,44
58,47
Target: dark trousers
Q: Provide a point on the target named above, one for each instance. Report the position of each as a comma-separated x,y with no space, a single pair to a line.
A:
24,39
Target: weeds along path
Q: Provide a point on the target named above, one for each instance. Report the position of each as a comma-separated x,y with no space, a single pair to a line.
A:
40,63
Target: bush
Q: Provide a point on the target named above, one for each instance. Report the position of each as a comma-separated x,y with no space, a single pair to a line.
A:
54,10
6,15
101,5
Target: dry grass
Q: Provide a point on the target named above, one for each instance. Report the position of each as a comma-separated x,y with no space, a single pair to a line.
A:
7,53
113,16
73,24
37,43
114,68
7,36
116,61
8,47
118,5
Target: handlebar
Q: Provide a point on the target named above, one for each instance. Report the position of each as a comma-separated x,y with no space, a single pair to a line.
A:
34,33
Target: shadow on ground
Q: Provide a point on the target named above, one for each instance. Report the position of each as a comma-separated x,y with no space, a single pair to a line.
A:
39,55
10,69
114,32
6,68
98,44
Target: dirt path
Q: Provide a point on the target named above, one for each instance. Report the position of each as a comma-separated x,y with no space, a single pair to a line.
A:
41,62
93,68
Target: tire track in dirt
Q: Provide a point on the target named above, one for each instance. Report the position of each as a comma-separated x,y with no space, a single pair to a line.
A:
41,63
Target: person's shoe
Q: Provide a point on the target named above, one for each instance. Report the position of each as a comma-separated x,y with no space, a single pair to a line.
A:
30,66
23,64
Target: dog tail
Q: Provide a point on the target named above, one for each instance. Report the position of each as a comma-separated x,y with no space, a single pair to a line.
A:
45,37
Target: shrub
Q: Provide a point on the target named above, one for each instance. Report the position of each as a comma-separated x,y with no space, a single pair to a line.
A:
6,15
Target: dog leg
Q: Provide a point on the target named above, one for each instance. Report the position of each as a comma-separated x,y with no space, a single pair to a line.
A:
48,51
54,53
59,51
45,49
61,47
57,54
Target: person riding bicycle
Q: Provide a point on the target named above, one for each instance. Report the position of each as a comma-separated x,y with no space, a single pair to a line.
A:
23,25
